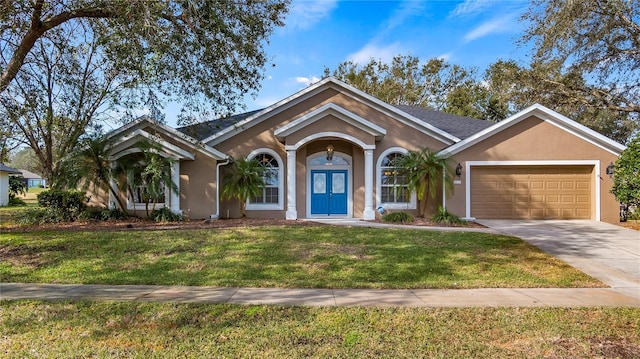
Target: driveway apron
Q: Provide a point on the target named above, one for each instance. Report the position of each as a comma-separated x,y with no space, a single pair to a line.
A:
604,251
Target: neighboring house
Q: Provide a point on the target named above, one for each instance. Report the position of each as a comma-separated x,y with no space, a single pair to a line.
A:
4,183
33,180
329,147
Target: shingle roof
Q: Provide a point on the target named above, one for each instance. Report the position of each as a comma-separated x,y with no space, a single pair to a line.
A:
459,126
200,131
29,174
8,169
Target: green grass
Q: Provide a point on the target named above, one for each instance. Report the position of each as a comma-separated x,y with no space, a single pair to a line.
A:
163,330
290,257
8,213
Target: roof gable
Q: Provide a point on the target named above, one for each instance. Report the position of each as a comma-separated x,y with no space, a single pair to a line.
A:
338,112
547,115
127,135
343,88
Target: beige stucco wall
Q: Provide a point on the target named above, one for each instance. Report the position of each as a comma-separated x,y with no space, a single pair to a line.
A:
535,140
262,136
198,187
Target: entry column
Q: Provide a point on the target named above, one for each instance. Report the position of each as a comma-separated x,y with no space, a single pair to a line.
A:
368,213
174,200
292,212
114,189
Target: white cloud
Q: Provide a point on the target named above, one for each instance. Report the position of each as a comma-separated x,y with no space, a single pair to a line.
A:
406,10
306,80
494,26
446,56
305,14
370,51
471,7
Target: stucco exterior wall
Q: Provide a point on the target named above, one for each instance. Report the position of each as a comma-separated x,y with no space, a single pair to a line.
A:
4,188
533,139
198,187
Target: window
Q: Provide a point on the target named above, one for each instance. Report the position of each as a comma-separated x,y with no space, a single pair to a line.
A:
271,190
393,182
141,194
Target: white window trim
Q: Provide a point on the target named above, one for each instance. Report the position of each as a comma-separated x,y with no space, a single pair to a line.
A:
470,164
269,206
142,206
412,204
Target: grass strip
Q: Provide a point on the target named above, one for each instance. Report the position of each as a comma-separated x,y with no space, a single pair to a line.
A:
161,330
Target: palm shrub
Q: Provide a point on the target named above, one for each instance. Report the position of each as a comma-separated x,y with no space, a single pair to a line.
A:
90,165
148,173
165,214
423,170
244,180
445,217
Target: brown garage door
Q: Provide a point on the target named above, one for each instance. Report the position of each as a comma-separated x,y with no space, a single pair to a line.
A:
531,192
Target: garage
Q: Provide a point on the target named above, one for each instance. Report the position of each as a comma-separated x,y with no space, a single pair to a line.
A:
532,192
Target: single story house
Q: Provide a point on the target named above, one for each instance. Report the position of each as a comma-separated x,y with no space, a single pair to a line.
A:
328,148
5,171
33,180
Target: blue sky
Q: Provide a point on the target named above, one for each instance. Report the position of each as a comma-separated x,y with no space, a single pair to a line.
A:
325,33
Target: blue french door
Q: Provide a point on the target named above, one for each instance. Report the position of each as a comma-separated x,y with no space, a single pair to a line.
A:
329,192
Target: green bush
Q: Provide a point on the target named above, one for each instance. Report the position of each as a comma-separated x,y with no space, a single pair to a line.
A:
16,201
67,205
164,214
16,187
100,214
397,217
35,216
445,217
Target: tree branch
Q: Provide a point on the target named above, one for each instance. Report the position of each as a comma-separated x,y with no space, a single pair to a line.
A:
37,29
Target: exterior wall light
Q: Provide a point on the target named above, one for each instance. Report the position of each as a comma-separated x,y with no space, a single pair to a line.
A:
330,152
610,169
458,170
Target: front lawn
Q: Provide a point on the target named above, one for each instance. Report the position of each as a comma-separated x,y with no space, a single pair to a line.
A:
165,330
289,257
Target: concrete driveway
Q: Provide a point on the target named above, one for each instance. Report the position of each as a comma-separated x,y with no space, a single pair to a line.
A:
604,251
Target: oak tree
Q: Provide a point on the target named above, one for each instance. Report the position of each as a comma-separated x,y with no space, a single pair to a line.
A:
67,65
595,41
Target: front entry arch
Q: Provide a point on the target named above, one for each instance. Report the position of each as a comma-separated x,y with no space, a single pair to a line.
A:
329,186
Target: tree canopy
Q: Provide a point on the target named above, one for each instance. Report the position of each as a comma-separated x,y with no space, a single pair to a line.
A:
67,66
187,50
407,80
593,50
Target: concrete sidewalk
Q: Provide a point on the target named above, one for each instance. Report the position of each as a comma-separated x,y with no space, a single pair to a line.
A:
491,297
